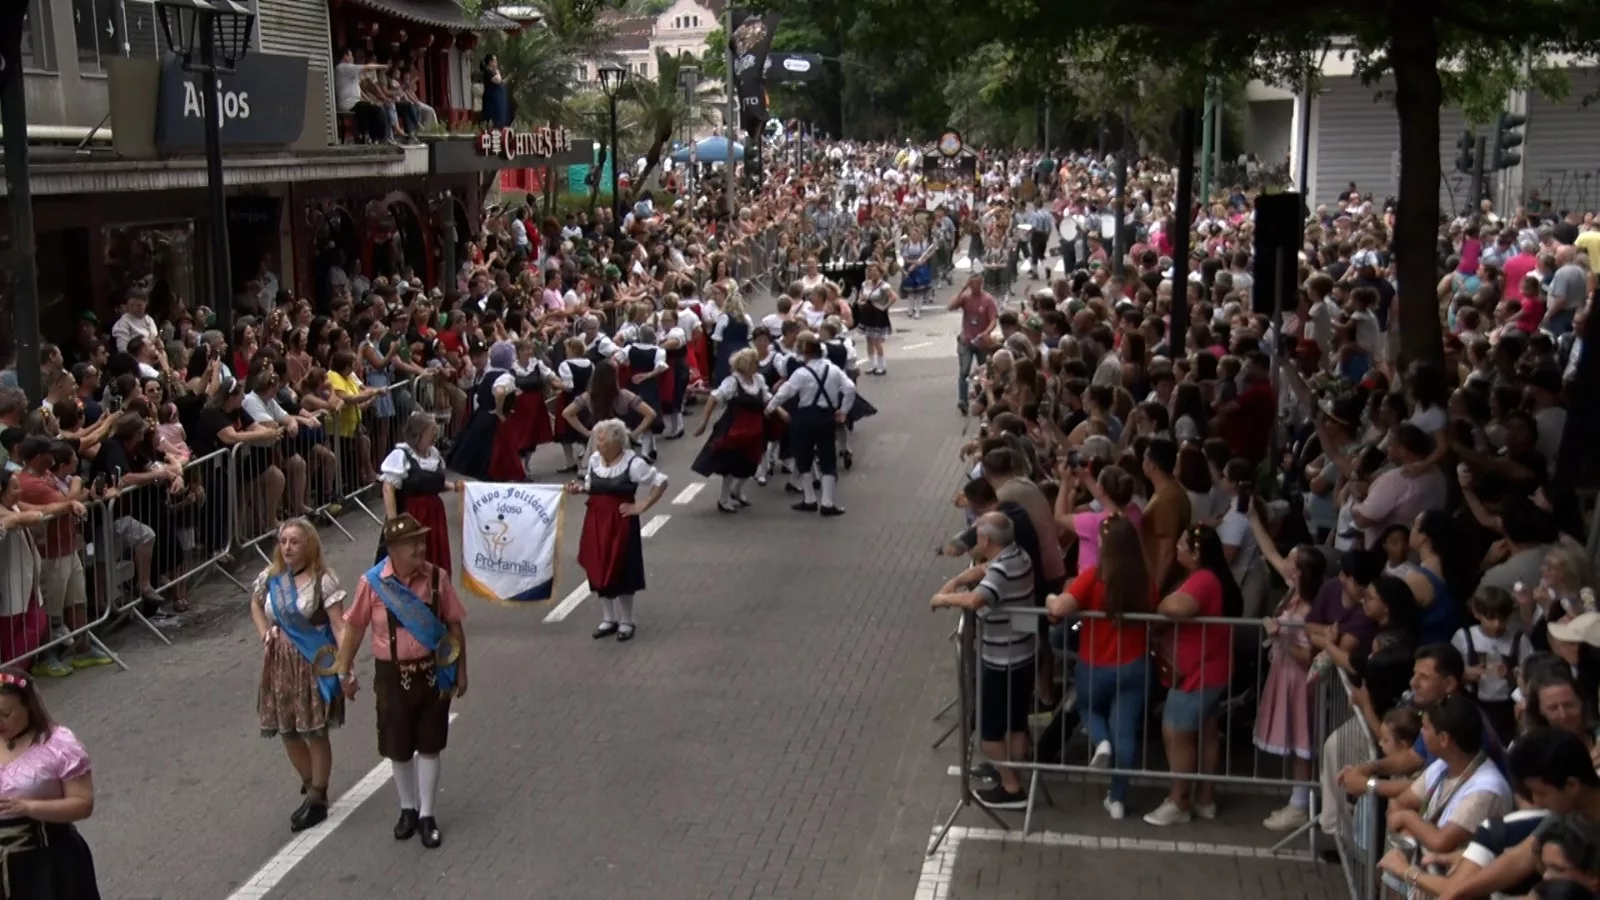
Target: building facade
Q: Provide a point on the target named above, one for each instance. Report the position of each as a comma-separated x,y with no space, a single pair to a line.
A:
118,175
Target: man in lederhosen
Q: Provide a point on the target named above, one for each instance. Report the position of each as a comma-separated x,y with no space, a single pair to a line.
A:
824,394
419,663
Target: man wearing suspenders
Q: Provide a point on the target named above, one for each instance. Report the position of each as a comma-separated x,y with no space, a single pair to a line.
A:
825,394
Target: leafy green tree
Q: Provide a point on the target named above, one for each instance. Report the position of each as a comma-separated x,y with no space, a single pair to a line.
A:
659,107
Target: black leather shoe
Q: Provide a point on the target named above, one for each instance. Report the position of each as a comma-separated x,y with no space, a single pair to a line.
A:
606,629
314,811
833,510
803,507
849,459
740,501
429,829
625,633
791,489
407,826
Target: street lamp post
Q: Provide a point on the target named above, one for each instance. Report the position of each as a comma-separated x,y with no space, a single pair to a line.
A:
612,78
689,80
210,37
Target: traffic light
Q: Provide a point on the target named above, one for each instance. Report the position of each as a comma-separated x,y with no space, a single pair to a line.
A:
1507,138
1464,149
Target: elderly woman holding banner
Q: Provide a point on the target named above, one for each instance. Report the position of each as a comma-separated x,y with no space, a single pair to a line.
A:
611,550
296,608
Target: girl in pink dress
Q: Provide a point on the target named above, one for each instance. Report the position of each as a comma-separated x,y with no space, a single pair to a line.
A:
1283,719
45,786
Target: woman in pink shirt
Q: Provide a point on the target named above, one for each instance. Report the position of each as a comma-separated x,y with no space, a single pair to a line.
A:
1113,493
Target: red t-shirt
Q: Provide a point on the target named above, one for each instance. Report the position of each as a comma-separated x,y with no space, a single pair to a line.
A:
1204,652
1105,642
1249,429
60,533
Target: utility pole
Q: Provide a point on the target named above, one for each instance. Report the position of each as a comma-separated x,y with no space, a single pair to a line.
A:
1478,160
1206,133
24,272
1119,206
732,125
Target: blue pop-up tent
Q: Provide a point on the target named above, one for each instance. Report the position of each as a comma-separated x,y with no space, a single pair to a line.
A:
710,150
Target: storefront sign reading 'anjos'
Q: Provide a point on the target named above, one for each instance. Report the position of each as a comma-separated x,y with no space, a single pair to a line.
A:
510,144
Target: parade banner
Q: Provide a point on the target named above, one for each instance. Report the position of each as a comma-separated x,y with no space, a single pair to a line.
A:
510,541
751,40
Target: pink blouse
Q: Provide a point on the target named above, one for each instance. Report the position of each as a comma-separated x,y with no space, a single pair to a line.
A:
39,772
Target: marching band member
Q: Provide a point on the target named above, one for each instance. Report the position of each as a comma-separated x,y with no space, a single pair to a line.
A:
297,608
916,285
877,297
574,372
647,363
419,650
413,478
739,441
825,395
611,550
525,418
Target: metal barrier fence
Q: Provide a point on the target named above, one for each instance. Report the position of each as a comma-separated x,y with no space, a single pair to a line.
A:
152,537
1214,680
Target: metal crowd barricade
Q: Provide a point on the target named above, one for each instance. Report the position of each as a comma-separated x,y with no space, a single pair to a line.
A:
26,629
1228,731
1360,833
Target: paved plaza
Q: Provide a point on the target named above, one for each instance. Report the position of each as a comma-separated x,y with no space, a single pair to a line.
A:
768,735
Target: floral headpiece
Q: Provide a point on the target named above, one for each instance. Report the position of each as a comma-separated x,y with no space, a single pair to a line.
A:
16,681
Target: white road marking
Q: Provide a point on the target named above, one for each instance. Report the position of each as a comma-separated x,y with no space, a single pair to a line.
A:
581,593
688,494
917,346
300,846
938,868
568,604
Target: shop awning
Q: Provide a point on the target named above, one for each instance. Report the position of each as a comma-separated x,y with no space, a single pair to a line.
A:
439,14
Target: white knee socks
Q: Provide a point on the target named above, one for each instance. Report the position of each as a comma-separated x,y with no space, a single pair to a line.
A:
829,482
569,454
608,611
738,488
727,491
806,486
647,444
625,610
843,438
427,784
405,781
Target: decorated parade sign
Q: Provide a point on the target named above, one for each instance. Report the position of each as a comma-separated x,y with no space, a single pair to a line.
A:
510,541
751,41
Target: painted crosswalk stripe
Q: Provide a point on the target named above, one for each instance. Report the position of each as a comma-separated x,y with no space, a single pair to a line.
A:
688,494
581,593
268,876
568,604
917,346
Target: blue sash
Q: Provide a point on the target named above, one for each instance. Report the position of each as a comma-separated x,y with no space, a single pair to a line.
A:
417,618
311,641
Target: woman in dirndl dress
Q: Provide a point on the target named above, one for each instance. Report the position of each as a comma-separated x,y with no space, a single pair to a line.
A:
770,363
526,419
674,382
916,285
474,451
877,297
837,348
739,440
573,372
611,548
730,335
297,608
413,479
46,785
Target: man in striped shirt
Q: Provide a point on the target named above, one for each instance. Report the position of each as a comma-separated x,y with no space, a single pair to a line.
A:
1001,591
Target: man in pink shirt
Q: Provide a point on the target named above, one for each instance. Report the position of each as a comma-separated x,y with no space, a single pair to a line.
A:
419,654
1523,263
979,313
1404,492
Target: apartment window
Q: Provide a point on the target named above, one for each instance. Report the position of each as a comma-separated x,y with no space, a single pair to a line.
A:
694,21
98,26
35,36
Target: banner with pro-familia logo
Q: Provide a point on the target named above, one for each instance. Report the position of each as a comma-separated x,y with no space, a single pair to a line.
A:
510,541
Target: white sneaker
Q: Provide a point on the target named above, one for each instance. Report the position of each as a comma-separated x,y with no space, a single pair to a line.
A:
1102,756
1205,812
1115,808
1287,819
1166,814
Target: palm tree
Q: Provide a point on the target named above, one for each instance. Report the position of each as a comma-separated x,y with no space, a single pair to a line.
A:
660,107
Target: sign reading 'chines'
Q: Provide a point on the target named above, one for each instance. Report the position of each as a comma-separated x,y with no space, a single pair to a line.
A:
509,143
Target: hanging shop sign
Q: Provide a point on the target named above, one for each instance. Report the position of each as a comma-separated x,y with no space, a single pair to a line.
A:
263,103
508,143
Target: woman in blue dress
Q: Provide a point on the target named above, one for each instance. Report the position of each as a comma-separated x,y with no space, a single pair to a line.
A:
730,335
916,286
496,103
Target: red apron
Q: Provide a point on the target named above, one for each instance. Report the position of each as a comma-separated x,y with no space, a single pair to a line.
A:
604,542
